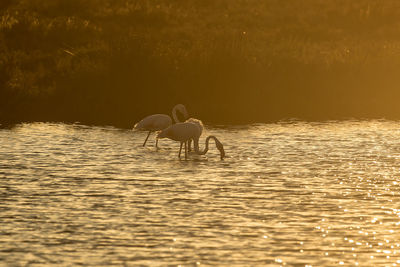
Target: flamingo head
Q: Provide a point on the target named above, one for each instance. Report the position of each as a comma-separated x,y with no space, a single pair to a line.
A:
162,134
220,147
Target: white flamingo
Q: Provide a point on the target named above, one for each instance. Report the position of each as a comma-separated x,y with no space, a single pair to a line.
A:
185,131
158,122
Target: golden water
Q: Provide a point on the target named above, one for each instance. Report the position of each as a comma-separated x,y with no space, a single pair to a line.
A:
292,193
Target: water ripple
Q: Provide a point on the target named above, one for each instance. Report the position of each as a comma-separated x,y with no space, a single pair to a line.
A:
289,193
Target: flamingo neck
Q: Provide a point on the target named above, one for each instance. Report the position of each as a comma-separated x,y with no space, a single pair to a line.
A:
196,145
174,115
181,108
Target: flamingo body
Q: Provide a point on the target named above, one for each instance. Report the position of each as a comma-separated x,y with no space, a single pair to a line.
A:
155,122
185,131
182,132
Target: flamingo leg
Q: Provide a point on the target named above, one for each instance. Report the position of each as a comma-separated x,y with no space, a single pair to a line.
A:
146,138
180,149
185,151
156,142
190,145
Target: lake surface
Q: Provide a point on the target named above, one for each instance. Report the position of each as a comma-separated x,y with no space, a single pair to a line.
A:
290,193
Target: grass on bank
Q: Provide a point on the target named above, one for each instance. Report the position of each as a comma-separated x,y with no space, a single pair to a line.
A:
115,61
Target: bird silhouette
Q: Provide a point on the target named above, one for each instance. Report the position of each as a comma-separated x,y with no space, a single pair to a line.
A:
185,131
158,122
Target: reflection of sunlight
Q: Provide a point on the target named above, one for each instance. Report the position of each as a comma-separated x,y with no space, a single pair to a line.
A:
319,194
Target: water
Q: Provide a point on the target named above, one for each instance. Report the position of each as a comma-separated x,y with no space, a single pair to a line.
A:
292,193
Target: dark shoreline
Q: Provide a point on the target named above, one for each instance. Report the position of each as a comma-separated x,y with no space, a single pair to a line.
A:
129,125
229,62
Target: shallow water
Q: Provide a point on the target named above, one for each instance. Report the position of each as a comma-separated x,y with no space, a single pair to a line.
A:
291,193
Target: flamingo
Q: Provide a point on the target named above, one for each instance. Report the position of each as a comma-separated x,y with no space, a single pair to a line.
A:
185,131
158,122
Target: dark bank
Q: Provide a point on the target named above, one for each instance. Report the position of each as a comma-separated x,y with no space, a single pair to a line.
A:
230,62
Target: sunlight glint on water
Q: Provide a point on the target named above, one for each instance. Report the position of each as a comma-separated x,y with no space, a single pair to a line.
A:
291,193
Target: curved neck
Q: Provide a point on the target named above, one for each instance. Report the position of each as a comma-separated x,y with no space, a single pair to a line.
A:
196,145
174,115
181,108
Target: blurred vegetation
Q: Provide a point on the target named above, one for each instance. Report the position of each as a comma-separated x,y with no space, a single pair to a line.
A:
228,61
